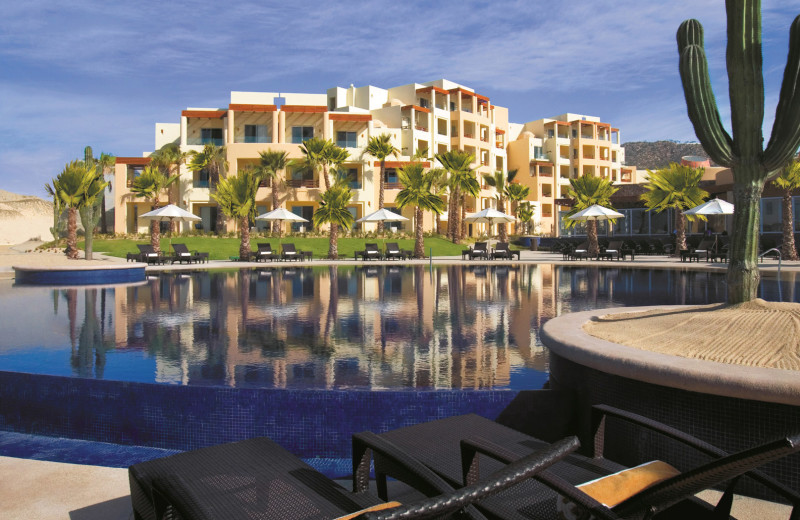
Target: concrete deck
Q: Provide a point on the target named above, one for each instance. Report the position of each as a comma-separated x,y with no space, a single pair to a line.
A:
33,489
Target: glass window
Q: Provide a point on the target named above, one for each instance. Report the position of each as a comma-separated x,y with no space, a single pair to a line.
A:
346,139
211,136
201,179
659,223
307,212
551,133
639,222
424,103
302,133
771,215
354,211
623,225
352,177
255,134
391,176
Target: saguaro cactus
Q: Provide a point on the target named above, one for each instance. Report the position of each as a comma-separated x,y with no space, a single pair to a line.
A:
743,153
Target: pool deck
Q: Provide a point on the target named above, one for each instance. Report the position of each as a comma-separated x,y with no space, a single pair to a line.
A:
34,489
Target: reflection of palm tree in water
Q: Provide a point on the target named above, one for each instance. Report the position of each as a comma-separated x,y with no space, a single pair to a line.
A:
90,358
333,301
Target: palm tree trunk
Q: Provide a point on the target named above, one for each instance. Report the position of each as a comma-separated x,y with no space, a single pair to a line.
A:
788,250
172,199
72,233
214,178
275,224
333,248
743,276
591,235
462,230
325,176
103,223
244,247
419,249
155,235
381,188
501,228
680,230
452,216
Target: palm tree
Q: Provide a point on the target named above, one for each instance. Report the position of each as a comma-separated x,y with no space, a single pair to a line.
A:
525,213
77,186
149,186
316,155
586,191
500,182
418,192
169,158
272,163
788,181
516,193
438,185
676,187
333,210
236,197
381,147
462,181
211,159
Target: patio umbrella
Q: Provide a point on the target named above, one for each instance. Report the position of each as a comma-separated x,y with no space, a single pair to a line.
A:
711,207
596,212
489,216
170,213
382,215
279,215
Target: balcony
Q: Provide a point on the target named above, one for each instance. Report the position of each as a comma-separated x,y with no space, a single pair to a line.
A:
469,136
392,186
421,128
302,183
498,144
485,139
563,202
201,141
545,174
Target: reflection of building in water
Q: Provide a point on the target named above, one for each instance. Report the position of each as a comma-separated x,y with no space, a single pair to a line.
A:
328,327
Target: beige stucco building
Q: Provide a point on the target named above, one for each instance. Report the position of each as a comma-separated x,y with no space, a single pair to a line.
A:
423,119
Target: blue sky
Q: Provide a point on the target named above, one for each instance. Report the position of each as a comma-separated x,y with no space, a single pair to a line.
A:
103,73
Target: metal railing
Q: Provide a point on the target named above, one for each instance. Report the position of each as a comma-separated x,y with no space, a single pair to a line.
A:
780,296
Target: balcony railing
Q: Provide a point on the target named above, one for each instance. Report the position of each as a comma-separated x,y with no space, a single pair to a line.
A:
355,185
485,139
469,136
201,184
200,141
421,128
392,185
545,174
266,183
498,144
302,183
563,202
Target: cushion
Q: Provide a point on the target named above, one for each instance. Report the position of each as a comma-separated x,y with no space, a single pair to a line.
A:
614,489
379,507
186,254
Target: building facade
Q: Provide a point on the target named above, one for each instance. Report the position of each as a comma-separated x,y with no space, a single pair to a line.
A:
421,119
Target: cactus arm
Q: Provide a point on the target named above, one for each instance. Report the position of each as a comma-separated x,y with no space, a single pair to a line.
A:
702,106
785,137
690,32
745,80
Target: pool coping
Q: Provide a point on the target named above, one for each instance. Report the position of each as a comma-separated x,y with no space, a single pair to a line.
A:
565,336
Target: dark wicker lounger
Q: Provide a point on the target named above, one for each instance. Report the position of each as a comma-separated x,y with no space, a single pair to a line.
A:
449,447
257,479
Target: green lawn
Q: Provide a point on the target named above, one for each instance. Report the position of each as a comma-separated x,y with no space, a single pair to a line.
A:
224,248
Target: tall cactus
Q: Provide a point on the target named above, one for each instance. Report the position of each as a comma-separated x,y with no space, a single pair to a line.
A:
743,153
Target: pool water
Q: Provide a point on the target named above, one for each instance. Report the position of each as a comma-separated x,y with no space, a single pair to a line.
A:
337,327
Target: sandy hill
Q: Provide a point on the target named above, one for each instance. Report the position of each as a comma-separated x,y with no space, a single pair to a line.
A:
23,218
658,154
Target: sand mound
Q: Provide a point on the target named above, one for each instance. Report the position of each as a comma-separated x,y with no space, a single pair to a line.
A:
23,218
756,333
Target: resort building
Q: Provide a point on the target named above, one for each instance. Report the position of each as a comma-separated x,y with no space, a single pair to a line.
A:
423,119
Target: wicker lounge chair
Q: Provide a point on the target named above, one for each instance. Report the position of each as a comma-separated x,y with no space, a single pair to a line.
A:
503,250
479,250
614,249
579,252
257,478
264,252
370,251
449,447
394,251
149,255
288,252
181,253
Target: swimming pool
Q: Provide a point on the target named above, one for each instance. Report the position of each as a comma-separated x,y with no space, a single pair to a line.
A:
306,356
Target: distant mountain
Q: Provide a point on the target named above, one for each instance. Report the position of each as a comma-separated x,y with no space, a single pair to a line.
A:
658,154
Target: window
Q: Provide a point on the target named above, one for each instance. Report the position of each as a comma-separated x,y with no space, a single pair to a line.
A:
424,103
211,136
255,134
551,133
302,133
574,134
452,106
346,140
201,179
391,176
537,152
771,215
352,178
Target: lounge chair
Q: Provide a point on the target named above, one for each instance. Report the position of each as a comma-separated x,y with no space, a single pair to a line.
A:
181,253
479,250
264,252
288,252
394,251
149,255
613,248
256,478
450,447
503,250
579,252
370,251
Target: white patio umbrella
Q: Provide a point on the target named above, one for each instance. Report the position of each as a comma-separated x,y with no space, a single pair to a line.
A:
382,215
280,215
489,216
596,212
170,213
711,207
